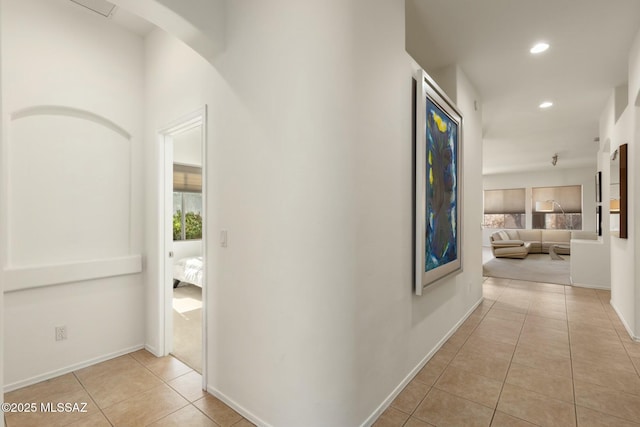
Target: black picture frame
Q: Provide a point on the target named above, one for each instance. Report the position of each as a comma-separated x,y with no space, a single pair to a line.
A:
599,187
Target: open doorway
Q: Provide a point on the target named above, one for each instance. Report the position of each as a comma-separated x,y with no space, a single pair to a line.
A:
184,230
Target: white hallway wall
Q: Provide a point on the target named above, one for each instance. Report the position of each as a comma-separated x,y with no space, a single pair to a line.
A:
634,106
311,305
3,230
625,276
57,53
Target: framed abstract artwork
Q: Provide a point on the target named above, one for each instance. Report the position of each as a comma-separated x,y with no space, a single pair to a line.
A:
598,187
438,184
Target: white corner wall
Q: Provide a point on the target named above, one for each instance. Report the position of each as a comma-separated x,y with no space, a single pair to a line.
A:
309,156
617,129
3,228
634,159
55,53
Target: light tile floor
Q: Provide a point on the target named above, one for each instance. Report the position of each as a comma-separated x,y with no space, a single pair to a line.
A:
136,389
533,354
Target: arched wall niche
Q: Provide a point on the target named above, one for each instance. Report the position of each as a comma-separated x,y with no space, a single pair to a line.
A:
69,183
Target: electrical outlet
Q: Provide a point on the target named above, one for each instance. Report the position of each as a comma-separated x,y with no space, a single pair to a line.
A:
61,333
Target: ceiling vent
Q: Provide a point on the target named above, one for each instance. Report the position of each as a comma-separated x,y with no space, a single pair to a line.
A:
102,7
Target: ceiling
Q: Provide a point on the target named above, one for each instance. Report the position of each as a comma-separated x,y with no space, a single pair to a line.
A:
118,15
490,41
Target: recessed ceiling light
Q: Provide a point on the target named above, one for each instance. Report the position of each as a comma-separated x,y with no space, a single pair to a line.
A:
539,48
546,104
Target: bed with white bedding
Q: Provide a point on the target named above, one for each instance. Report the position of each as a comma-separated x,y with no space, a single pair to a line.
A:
188,270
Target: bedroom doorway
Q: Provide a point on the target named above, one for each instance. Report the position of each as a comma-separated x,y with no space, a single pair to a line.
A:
184,231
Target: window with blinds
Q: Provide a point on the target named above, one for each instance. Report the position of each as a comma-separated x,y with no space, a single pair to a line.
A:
557,208
504,208
187,202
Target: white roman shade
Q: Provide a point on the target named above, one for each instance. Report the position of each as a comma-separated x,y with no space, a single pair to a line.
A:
510,201
569,197
187,179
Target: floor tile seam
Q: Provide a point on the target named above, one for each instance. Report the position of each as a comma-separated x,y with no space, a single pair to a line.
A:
466,398
504,381
241,419
619,339
431,386
609,387
109,374
205,414
573,382
484,354
545,374
606,414
177,391
47,396
547,333
159,377
536,349
133,396
541,394
551,328
518,418
617,370
626,350
405,412
171,413
128,397
583,405
158,419
451,394
92,398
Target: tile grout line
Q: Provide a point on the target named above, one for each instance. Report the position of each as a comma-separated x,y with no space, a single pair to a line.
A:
92,399
617,334
573,383
447,365
504,381
142,392
189,403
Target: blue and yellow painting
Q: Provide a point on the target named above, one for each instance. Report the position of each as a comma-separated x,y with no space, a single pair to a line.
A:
441,189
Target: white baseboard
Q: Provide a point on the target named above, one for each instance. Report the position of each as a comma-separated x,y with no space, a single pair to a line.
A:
581,285
56,373
152,350
237,407
385,404
624,322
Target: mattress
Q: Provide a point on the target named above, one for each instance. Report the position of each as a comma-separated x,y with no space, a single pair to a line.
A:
188,270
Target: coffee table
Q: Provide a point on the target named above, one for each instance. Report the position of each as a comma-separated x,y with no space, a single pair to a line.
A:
554,250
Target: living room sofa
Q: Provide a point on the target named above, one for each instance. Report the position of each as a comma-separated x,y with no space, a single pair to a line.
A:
520,243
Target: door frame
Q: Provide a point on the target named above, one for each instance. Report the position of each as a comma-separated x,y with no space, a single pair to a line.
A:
165,234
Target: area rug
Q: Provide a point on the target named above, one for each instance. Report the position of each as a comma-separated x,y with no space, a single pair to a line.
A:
534,268
187,325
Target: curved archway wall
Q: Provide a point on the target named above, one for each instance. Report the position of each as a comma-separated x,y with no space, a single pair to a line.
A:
310,144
